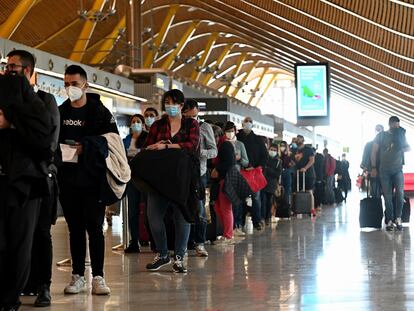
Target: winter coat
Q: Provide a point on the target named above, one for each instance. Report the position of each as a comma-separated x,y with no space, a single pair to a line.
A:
272,172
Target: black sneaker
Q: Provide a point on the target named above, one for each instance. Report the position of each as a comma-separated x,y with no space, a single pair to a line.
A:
178,265
13,307
389,226
158,262
43,297
258,227
398,224
133,247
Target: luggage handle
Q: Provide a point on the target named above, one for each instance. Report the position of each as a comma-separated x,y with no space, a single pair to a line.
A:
369,187
297,181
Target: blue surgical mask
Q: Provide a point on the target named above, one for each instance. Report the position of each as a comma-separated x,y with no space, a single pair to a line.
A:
136,128
149,121
172,110
294,146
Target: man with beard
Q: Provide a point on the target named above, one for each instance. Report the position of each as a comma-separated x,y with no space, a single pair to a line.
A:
22,63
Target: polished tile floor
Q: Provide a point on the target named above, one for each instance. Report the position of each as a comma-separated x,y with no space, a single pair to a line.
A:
326,263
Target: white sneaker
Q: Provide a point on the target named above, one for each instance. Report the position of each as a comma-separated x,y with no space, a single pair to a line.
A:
76,285
224,241
99,286
201,251
238,232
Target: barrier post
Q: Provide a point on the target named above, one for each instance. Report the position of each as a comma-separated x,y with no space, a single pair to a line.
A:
125,231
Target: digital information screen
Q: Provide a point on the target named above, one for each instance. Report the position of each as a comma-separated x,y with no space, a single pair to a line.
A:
312,94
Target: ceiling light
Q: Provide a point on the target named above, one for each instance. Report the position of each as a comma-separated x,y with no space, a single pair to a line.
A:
242,45
191,9
211,23
228,35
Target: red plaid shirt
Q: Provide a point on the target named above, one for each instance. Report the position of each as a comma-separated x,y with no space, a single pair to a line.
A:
188,137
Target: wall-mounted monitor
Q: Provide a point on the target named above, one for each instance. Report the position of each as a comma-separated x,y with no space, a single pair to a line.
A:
312,94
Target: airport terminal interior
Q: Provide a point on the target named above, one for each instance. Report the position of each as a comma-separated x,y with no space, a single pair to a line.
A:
322,89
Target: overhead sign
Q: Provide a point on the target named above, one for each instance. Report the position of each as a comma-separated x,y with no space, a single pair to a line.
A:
312,94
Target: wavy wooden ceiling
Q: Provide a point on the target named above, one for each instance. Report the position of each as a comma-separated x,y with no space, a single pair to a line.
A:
369,44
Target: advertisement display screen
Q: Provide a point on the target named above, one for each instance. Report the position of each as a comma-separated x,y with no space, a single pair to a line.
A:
312,93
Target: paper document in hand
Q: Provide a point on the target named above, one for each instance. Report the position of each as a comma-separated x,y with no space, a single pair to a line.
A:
68,153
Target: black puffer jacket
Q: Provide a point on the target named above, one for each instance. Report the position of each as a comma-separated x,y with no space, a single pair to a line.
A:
25,145
272,172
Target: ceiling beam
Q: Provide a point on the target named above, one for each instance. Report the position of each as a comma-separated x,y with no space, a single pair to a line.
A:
244,79
236,71
108,44
152,53
258,85
220,61
266,89
169,62
203,60
8,28
57,33
85,35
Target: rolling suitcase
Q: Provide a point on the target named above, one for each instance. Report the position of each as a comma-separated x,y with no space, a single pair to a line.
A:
339,197
282,208
302,201
370,211
406,211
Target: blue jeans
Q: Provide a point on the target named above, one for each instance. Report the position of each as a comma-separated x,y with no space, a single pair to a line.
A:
287,183
134,199
200,225
238,213
391,180
157,208
256,208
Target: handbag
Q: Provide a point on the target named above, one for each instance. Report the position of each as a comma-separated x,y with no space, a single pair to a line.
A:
255,178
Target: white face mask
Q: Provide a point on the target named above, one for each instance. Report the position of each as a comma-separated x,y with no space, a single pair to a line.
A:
247,126
74,93
283,149
272,153
230,135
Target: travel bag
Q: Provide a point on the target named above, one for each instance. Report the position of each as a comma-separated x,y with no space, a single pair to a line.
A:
370,211
302,201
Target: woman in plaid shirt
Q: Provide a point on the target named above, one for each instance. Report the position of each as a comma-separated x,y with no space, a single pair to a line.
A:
170,132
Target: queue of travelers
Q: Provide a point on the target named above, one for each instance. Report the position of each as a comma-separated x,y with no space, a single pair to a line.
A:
74,156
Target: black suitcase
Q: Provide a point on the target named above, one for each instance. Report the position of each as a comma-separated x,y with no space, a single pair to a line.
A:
302,201
282,208
339,197
370,212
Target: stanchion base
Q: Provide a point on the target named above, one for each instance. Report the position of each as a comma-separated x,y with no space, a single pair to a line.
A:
68,263
119,247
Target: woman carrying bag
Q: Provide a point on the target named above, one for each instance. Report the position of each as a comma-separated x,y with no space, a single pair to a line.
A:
172,131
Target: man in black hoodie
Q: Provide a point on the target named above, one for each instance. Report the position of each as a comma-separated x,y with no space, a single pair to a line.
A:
82,115
257,154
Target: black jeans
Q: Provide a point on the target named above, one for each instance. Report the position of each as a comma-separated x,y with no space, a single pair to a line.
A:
200,225
84,213
17,224
42,251
267,200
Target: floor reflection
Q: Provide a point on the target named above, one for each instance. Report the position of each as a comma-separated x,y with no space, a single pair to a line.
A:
326,263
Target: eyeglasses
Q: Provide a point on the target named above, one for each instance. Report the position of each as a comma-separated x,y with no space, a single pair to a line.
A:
11,67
